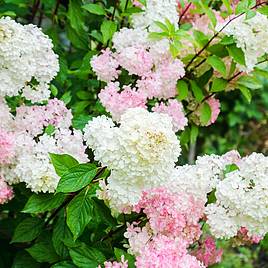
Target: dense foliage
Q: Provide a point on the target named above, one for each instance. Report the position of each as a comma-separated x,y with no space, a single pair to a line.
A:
103,108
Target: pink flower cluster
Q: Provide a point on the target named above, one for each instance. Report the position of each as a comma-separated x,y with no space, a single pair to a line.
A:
173,225
175,110
117,102
122,264
244,238
6,192
173,215
157,78
35,118
215,109
207,252
7,146
105,66
163,251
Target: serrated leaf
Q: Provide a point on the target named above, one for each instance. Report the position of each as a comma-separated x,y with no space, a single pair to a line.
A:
200,38
62,163
162,26
87,257
249,82
39,203
27,230
60,232
237,54
80,210
198,93
217,63
218,85
246,93
205,113
43,251
94,9
182,89
77,178
80,121
108,28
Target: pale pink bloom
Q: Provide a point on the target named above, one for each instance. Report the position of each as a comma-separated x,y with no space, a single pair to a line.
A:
117,102
215,109
33,119
172,214
166,252
105,66
6,192
174,109
207,252
115,264
245,238
136,60
7,146
232,157
137,237
137,3
162,83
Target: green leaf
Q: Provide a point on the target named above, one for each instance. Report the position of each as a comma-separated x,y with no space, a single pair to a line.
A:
83,95
194,134
205,113
79,211
108,28
62,162
230,168
237,54
80,121
250,14
249,82
43,251
200,38
130,259
182,88
64,264
162,26
75,16
53,90
27,230
218,85
227,40
246,93
198,94
217,63
60,232
39,203
228,6
24,260
77,178
49,130
263,10
94,9
66,97
87,257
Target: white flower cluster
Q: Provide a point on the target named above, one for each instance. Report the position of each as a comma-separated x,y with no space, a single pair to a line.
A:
141,153
30,161
242,200
156,10
27,61
201,178
251,36
34,166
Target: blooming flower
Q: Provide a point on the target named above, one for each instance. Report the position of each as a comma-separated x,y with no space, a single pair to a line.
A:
6,192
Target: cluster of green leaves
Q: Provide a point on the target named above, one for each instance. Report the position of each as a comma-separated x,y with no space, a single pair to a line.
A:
71,228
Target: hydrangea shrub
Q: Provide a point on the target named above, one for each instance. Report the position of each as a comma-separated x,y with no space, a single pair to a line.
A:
99,181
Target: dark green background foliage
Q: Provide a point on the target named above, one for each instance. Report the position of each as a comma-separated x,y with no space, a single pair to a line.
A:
42,234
